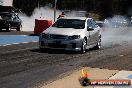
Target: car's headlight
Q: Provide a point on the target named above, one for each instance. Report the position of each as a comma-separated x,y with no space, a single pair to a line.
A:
74,37
44,35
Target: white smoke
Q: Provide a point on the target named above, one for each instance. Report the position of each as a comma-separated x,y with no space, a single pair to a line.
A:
70,13
43,13
111,35
116,21
116,31
6,2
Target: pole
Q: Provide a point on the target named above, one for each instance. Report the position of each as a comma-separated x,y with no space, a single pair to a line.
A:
55,11
38,4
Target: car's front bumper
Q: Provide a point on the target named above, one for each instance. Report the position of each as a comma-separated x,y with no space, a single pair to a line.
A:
74,45
3,25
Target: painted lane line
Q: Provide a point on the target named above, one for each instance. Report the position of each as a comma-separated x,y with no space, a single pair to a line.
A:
19,43
130,76
122,75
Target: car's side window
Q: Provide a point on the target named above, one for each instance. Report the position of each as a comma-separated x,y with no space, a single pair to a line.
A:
89,24
94,24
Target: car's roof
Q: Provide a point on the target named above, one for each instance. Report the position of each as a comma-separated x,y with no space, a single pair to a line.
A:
81,18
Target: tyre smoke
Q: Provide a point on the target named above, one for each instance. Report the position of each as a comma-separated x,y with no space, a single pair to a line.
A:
116,30
43,13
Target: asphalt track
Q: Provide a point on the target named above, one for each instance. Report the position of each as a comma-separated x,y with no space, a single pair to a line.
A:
25,66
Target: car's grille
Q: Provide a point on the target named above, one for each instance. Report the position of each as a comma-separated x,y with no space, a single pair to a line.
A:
73,45
58,36
52,45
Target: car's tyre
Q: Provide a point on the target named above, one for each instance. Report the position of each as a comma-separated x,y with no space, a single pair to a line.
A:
98,46
8,28
83,47
19,28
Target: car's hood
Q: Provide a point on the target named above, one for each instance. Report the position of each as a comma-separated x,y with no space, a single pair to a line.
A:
63,31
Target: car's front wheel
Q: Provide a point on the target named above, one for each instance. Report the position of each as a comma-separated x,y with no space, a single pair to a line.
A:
8,28
83,47
19,28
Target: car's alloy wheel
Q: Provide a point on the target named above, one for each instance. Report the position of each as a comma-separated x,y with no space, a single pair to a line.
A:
83,47
98,46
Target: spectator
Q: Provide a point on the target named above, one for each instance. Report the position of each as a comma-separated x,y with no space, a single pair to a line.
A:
61,15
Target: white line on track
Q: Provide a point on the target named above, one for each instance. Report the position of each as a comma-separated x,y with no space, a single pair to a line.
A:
17,43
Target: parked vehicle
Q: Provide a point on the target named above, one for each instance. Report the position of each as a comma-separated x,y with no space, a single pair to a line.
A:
100,23
72,33
116,22
10,20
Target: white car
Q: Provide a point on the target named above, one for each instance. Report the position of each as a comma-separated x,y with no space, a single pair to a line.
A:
71,33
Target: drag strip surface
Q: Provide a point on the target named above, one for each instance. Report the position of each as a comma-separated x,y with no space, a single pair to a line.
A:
25,66
29,67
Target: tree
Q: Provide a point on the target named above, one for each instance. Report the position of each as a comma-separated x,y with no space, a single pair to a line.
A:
106,8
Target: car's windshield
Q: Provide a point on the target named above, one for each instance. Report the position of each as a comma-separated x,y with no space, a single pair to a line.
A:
69,23
5,16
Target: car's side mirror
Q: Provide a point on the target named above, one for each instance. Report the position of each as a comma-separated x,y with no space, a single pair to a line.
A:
90,29
97,25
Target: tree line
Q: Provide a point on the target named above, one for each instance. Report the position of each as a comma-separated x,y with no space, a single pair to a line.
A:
105,8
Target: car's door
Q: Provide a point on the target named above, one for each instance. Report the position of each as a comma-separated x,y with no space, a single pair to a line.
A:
96,31
88,34
93,30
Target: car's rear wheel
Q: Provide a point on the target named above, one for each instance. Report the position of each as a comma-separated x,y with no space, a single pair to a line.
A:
98,46
83,47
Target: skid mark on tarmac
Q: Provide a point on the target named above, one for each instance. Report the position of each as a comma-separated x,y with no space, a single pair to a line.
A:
71,81
6,40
